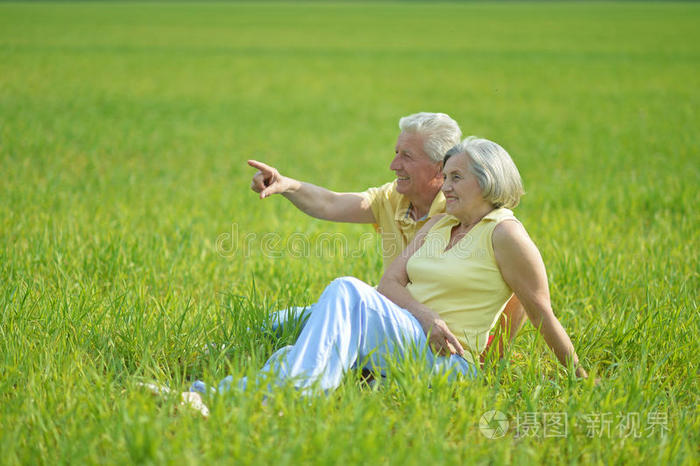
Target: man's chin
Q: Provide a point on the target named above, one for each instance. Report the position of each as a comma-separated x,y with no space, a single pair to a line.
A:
402,186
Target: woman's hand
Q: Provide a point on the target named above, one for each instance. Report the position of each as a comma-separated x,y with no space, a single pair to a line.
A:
442,341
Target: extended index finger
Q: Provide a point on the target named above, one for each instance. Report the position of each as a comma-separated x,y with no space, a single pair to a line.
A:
260,166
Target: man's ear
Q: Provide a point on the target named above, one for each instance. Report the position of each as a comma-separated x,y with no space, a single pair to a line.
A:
440,166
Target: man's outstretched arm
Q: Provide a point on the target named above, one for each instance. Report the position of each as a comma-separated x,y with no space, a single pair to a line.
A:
313,200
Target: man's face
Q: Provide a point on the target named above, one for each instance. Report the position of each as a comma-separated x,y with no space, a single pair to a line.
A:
416,173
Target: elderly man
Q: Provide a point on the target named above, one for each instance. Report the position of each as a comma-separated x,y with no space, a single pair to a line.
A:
399,208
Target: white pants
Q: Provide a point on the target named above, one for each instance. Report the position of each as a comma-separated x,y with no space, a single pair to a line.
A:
350,325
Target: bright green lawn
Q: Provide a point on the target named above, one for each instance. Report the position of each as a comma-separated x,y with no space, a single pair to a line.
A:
124,130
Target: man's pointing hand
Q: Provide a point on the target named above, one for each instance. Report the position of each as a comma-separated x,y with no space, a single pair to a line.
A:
267,180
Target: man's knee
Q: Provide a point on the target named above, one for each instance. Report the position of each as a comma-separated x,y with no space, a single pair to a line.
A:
349,284
346,293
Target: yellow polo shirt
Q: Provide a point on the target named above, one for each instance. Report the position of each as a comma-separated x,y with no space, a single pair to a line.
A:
464,284
394,223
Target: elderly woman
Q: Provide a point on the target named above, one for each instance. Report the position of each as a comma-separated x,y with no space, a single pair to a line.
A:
442,296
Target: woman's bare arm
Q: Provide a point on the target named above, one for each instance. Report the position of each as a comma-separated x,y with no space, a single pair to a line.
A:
523,270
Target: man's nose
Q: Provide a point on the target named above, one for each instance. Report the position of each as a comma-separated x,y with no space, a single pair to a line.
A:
395,164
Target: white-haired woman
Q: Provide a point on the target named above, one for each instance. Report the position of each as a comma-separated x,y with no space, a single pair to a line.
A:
450,286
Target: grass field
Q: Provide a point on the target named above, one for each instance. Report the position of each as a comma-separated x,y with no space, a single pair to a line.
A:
129,237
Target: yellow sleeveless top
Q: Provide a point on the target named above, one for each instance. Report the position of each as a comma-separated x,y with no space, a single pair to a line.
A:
463,285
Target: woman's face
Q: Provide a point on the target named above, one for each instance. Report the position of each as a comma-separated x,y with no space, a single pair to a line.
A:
461,188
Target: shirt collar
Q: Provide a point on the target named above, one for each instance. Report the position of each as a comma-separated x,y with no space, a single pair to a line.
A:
403,214
495,214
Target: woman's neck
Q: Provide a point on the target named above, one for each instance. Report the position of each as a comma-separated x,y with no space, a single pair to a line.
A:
471,218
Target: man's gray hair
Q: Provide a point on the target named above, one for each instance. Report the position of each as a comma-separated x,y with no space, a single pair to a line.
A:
498,177
441,132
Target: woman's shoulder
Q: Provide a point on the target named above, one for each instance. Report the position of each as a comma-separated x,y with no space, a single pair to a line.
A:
509,232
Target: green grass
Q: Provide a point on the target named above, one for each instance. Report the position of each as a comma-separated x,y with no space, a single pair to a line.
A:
124,130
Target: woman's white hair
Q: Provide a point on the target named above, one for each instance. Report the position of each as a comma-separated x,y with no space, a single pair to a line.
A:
495,171
441,132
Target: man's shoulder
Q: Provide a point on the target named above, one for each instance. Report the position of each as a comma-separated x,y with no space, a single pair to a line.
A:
383,193
389,187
